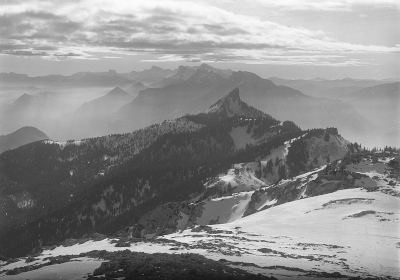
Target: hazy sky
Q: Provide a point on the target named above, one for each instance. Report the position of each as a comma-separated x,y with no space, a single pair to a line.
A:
284,38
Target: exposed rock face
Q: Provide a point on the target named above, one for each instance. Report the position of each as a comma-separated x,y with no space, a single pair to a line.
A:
255,198
322,189
232,105
166,219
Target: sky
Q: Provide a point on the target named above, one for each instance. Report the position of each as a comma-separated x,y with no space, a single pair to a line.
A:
287,38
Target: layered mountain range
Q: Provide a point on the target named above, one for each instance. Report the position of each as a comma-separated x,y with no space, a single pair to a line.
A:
159,94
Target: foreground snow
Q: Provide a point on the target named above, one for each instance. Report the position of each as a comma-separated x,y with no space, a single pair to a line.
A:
352,231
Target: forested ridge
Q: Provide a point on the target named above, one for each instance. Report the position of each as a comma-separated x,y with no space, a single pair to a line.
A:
93,185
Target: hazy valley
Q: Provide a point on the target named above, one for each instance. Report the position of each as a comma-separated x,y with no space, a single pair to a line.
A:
86,105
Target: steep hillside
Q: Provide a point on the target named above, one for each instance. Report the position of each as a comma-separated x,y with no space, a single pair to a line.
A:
22,136
231,196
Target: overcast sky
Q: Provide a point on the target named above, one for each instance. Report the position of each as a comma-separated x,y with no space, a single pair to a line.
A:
284,38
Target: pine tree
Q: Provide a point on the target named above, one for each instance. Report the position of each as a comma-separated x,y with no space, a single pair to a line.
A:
282,172
326,136
230,188
269,166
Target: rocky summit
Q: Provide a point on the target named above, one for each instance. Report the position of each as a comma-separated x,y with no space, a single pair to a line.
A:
231,105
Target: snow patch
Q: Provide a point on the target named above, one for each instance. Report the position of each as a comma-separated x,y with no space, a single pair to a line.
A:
240,137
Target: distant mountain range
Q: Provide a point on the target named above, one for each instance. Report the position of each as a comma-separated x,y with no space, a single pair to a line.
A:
161,94
89,79
196,94
182,74
315,86
380,104
38,110
157,104
22,136
90,118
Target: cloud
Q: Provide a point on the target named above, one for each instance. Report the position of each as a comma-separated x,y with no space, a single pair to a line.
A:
328,5
169,30
315,60
112,57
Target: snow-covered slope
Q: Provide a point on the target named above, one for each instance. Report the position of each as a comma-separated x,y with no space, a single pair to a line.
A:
350,229
237,179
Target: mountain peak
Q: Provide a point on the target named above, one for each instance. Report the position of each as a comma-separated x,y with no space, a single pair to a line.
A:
22,136
245,76
234,94
231,105
117,91
138,84
25,95
23,98
181,68
205,66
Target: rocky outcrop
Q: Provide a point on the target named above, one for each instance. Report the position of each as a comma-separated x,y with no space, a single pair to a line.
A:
166,219
231,105
315,189
255,198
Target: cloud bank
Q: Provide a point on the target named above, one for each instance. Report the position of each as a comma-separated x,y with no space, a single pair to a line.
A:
329,5
171,31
